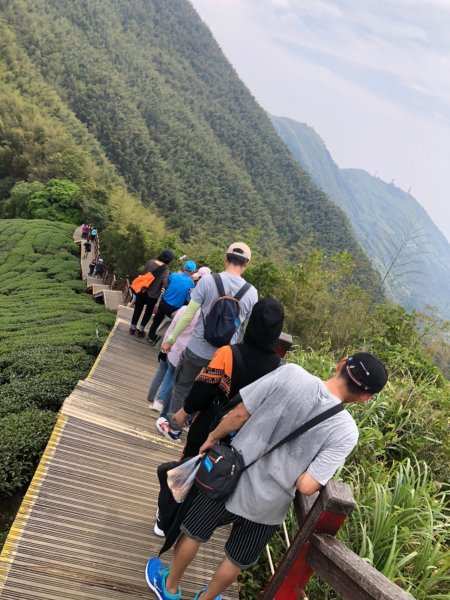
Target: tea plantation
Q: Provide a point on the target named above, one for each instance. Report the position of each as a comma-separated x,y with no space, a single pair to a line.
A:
50,333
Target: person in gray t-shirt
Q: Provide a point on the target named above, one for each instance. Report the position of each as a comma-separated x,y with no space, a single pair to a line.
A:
272,408
199,352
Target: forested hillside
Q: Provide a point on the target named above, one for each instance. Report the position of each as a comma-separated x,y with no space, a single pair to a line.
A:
50,165
152,86
409,251
126,114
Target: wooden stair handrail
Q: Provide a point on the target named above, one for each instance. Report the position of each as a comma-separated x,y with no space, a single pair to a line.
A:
348,574
315,550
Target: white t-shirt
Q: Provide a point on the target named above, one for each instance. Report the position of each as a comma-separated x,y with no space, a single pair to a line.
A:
278,404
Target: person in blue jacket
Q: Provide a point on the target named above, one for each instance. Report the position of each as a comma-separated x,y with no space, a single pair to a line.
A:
177,294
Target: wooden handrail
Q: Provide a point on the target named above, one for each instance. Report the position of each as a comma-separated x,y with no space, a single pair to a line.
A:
348,574
315,549
329,510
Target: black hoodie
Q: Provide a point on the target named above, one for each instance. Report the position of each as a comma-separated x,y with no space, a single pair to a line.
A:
232,368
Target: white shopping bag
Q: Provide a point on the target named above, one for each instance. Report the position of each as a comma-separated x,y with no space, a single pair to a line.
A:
181,478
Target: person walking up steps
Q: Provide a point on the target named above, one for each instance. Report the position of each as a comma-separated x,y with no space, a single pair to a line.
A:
177,294
164,391
87,249
212,298
148,297
281,459
161,385
85,231
93,234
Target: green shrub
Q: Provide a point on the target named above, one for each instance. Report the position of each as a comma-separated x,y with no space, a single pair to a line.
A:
22,441
397,474
50,333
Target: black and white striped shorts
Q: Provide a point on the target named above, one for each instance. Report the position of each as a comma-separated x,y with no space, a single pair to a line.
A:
247,539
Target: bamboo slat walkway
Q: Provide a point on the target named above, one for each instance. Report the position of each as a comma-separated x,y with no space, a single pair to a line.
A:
85,528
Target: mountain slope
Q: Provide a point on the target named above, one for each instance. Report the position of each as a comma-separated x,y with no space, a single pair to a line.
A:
387,221
152,85
41,140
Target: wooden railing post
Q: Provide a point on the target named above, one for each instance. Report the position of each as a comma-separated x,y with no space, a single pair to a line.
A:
326,515
349,575
284,344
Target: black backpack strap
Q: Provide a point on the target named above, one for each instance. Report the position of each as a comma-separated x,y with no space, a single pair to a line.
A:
219,284
237,357
159,271
303,429
241,293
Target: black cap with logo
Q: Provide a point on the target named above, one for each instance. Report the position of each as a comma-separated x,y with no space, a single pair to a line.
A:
367,372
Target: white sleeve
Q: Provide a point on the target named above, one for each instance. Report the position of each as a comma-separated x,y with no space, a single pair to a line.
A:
198,294
255,394
332,456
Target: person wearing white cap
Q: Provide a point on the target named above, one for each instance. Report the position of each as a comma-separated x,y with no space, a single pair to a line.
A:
216,296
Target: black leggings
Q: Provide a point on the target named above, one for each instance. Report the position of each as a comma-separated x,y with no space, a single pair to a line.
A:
141,301
164,310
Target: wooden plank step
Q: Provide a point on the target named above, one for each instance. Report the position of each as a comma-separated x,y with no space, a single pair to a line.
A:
90,281
113,299
99,287
85,529
125,312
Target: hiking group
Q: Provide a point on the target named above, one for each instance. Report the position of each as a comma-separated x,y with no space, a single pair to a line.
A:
89,237
259,429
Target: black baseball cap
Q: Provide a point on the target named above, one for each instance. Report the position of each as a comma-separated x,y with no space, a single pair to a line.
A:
367,372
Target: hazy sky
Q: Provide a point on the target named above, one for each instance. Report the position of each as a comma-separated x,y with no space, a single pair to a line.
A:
371,76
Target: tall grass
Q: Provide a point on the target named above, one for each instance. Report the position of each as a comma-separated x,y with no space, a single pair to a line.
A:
397,474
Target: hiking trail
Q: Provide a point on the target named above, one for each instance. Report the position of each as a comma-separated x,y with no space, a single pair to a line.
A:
84,530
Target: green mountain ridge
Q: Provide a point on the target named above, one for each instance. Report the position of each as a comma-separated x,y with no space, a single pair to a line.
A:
41,139
387,222
151,85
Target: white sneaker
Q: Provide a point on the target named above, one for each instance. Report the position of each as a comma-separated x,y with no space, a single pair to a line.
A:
163,426
156,529
156,405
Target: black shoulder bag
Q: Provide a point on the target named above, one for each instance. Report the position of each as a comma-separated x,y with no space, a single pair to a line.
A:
223,465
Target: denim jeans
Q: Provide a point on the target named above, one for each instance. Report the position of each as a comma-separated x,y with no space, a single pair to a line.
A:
157,379
164,394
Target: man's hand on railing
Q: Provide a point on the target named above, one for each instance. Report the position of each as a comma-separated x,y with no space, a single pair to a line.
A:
307,485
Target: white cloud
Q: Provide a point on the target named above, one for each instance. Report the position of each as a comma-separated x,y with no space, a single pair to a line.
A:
372,78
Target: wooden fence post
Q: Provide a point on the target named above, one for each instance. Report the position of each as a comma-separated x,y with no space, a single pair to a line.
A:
284,344
349,575
327,514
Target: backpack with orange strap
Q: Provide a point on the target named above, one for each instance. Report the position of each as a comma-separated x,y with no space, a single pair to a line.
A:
142,282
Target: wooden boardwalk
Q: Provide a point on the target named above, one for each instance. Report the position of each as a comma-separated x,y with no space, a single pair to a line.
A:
85,528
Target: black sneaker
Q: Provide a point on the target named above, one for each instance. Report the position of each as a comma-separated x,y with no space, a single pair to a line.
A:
140,333
132,330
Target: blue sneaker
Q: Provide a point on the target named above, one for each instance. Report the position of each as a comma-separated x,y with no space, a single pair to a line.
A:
156,574
198,594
